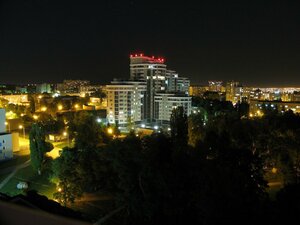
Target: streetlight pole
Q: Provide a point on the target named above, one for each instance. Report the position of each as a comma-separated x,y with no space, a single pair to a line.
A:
8,124
22,127
67,135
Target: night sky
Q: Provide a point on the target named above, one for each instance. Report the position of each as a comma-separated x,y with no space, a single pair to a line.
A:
255,42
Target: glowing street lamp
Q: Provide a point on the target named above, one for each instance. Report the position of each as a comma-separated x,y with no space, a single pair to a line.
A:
7,124
110,130
21,127
76,106
59,107
67,135
274,170
35,117
44,109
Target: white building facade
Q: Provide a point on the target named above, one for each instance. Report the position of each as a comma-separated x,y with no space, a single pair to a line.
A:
166,102
6,146
125,102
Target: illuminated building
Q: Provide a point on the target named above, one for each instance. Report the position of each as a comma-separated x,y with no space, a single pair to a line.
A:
233,92
89,89
125,102
72,86
258,106
142,67
21,99
7,140
154,72
151,79
197,90
164,103
215,86
43,88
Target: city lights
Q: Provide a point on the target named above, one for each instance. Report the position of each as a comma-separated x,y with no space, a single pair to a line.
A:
21,127
110,130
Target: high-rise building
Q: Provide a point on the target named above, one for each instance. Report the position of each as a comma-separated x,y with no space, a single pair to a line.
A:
166,102
158,85
142,67
158,78
125,102
182,85
234,92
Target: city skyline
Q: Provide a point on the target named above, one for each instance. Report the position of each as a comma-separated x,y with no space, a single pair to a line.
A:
254,43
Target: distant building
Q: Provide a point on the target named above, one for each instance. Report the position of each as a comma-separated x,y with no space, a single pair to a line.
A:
72,86
31,88
166,102
21,90
89,89
215,86
296,96
125,102
233,92
258,106
198,90
21,99
182,85
43,88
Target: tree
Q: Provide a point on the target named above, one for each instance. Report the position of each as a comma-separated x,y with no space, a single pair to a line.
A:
67,171
38,147
99,94
87,132
179,127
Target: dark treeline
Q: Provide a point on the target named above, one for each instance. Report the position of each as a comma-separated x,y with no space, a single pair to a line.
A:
214,168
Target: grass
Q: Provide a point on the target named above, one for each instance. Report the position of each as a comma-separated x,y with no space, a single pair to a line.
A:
40,183
3,176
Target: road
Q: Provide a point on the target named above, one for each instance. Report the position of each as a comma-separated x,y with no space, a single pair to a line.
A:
17,168
24,148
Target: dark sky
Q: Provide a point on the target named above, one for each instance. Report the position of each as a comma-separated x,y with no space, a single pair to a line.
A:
255,42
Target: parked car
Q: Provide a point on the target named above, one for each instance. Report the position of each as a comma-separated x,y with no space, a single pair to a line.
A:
22,185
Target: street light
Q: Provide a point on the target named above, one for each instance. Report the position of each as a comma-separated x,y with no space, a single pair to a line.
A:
35,117
67,135
44,109
22,127
60,107
110,130
7,124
